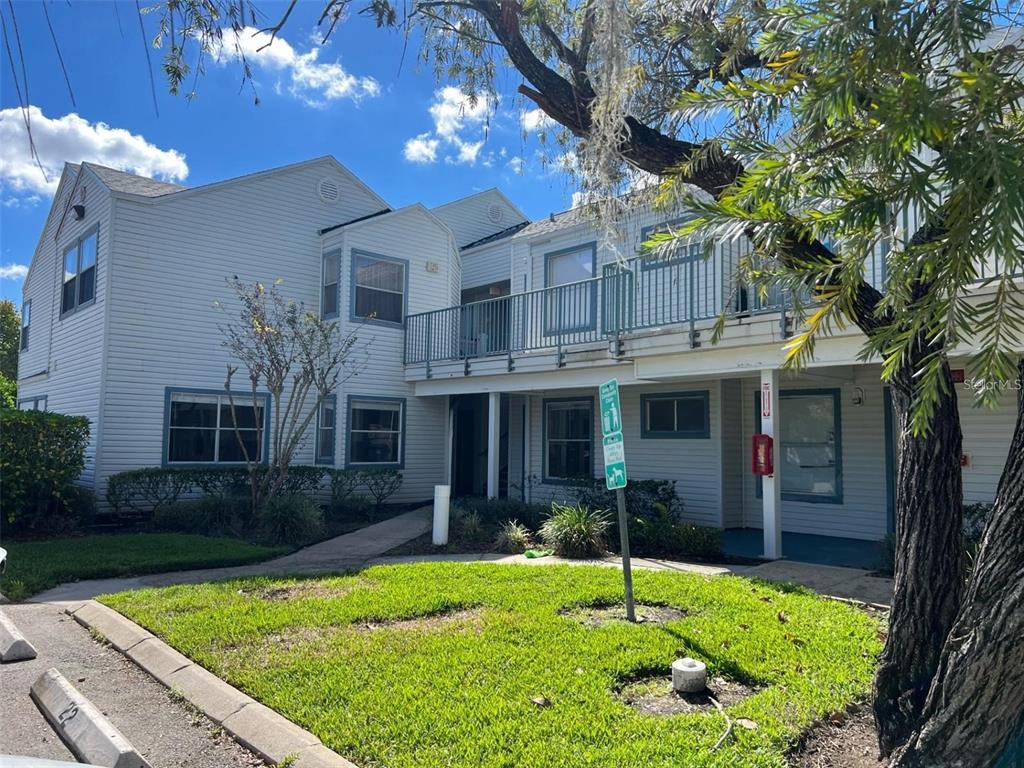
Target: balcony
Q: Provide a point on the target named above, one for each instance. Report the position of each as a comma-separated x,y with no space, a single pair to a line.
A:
637,295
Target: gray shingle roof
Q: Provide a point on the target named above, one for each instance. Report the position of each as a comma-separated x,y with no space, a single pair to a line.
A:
557,221
119,181
507,232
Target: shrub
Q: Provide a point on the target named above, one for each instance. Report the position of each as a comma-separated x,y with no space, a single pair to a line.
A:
644,498
218,481
354,507
146,490
469,528
208,516
343,484
665,536
513,538
303,479
292,520
41,455
975,516
8,392
493,512
382,484
576,530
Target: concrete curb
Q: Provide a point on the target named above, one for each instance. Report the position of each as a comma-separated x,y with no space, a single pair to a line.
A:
13,645
254,726
89,735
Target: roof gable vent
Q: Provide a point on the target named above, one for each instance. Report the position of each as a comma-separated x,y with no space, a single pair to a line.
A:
495,213
328,190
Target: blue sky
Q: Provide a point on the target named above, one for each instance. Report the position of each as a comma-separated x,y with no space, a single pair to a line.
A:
410,137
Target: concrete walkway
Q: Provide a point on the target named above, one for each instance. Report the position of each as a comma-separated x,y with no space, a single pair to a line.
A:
845,583
342,553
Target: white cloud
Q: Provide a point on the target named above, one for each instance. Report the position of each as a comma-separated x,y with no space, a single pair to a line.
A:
313,81
421,149
535,120
455,115
13,271
73,139
516,164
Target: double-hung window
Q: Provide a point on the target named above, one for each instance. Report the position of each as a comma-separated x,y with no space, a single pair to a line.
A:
26,321
37,403
571,295
329,301
378,288
376,432
666,254
78,287
678,415
326,426
568,439
202,430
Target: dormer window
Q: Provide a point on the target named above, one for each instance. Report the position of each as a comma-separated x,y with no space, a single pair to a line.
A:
78,288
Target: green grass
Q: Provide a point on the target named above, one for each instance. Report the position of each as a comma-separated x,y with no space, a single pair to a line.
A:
458,693
34,566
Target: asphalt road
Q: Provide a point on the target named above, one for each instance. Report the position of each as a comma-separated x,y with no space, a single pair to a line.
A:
168,733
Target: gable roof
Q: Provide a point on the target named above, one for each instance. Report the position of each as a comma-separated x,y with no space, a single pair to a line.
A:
492,191
558,221
121,181
507,232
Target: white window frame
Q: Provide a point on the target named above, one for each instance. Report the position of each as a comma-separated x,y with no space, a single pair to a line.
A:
404,292
367,401
76,247
26,324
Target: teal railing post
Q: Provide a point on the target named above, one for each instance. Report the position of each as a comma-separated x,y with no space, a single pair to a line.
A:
692,263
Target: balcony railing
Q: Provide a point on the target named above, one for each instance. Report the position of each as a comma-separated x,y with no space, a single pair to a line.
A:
636,295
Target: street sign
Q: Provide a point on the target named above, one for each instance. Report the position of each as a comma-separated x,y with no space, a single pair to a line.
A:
614,461
615,476
611,413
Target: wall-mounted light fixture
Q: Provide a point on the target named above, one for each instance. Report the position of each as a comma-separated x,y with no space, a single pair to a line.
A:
79,211
858,396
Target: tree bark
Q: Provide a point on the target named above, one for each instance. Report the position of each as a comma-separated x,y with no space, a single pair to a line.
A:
929,561
976,703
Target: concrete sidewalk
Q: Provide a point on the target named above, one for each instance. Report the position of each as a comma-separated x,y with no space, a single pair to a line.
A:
342,553
845,583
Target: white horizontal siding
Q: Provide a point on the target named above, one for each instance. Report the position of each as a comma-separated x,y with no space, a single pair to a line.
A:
487,264
863,511
170,295
469,217
695,464
986,435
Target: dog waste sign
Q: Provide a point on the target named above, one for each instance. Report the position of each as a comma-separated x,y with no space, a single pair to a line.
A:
611,426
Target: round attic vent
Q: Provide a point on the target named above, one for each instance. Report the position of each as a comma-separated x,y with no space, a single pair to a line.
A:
495,214
328,190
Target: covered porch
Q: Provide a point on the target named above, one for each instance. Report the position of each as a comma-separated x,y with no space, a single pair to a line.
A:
806,548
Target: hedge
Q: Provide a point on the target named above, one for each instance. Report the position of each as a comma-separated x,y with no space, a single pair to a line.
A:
41,455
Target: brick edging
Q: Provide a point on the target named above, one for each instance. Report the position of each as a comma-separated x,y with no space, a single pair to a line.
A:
253,725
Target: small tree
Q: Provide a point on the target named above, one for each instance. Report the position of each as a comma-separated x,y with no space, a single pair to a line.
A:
10,338
291,356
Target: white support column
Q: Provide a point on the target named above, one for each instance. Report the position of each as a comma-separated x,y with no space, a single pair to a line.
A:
528,449
771,486
493,442
449,439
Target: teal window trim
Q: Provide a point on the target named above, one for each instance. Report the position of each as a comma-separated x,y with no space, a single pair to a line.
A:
688,252
349,464
356,252
551,329
245,397
34,401
320,457
76,246
646,433
584,400
26,322
810,498
324,284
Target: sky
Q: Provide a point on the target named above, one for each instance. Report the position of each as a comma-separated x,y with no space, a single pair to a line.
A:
364,97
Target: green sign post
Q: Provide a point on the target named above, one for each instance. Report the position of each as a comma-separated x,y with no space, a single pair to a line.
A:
615,475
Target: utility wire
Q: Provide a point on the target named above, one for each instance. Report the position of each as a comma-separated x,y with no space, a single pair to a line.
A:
149,62
60,57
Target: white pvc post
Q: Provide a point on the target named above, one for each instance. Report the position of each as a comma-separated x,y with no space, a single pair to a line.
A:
442,495
771,487
493,442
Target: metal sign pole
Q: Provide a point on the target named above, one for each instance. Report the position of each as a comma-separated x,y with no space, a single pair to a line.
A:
627,572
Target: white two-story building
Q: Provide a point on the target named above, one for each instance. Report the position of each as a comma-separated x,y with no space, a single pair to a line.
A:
488,336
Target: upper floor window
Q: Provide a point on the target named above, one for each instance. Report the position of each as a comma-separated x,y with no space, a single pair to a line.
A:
329,301
26,321
79,283
201,429
675,415
669,253
572,303
378,288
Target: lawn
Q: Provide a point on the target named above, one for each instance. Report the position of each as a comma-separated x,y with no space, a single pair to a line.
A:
454,664
34,566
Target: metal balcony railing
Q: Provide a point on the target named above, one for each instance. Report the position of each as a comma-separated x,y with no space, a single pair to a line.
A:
636,295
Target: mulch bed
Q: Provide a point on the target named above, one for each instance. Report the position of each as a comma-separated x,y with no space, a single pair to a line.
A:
593,616
844,740
655,696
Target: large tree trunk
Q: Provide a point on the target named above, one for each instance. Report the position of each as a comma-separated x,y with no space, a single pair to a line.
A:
976,702
929,561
